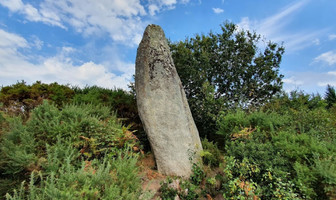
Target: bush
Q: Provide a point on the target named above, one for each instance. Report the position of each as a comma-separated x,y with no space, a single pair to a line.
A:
198,174
105,179
21,98
3,123
78,152
292,148
118,100
167,192
239,124
91,128
18,149
211,155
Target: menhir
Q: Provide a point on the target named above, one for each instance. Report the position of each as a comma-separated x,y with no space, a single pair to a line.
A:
163,106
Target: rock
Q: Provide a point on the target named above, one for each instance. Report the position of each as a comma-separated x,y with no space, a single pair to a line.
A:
163,107
175,184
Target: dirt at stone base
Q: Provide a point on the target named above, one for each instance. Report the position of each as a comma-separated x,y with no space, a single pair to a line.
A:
150,176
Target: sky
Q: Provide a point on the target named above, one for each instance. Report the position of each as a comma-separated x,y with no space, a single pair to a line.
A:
94,42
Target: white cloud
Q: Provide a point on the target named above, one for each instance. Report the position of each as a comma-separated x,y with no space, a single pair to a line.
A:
153,9
64,71
121,20
292,81
31,13
274,28
12,41
13,5
185,1
317,42
310,82
245,24
332,37
118,18
168,2
332,73
37,43
327,57
297,41
331,82
278,18
156,6
217,10
15,66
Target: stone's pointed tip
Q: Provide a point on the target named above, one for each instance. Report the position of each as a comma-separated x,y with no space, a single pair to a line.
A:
153,25
154,31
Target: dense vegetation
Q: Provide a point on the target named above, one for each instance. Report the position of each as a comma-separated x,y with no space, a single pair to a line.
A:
284,150
226,70
67,147
63,142
78,149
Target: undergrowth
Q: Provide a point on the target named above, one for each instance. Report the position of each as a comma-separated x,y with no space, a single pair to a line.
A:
285,150
78,152
77,148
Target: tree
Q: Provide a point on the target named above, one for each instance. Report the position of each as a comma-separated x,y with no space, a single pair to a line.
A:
231,68
330,96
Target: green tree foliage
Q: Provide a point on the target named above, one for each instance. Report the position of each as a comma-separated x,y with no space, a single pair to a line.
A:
295,100
21,98
228,66
330,96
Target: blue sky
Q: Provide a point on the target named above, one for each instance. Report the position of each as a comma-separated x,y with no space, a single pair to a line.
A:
94,42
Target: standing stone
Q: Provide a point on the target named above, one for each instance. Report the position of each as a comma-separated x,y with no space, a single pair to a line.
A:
163,106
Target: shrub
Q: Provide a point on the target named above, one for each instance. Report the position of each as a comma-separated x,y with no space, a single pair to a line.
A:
197,175
91,128
211,155
291,147
3,123
18,149
235,183
106,179
118,100
239,124
167,192
17,155
78,152
21,98
189,191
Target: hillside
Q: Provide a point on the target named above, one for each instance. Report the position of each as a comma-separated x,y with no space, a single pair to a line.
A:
62,142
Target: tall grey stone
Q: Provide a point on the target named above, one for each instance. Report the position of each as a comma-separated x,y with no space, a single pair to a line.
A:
163,107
